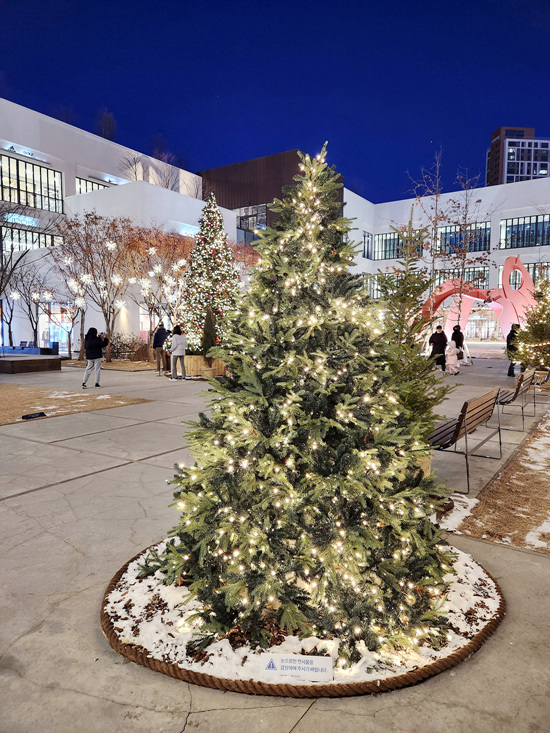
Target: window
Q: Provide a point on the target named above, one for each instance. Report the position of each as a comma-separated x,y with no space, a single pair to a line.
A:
31,185
84,185
21,239
525,231
476,238
478,277
252,217
386,246
367,245
535,269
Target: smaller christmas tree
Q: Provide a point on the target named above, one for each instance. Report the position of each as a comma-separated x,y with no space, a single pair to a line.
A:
533,343
213,281
403,294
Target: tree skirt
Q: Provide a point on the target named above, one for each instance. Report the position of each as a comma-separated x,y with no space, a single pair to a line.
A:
147,623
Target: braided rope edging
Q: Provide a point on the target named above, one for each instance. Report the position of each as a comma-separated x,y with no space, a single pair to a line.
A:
341,689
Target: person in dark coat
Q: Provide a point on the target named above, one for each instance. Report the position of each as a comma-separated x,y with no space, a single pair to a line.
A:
438,342
458,337
512,348
161,334
93,347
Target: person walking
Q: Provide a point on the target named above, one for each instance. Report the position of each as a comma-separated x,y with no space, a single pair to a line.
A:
451,359
177,350
438,342
512,348
458,337
93,348
161,334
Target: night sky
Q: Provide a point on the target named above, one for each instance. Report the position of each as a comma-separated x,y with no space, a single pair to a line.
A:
387,83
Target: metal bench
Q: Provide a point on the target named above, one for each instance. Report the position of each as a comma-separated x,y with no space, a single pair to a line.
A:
474,413
541,378
519,395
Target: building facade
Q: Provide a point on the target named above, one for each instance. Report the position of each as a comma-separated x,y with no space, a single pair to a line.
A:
516,155
54,169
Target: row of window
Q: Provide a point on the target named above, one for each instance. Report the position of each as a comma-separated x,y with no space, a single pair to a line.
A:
36,186
13,238
523,231
29,184
83,185
477,276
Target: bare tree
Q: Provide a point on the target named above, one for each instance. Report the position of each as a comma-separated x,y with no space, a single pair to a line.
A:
105,125
194,187
428,191
165,172
21,231
132,166
465,245
8,311
29,282
94,250
71,309
156,269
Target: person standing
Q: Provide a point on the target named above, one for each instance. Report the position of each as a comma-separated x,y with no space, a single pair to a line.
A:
177,350
93,348
451,359
161,334
512,348
438,342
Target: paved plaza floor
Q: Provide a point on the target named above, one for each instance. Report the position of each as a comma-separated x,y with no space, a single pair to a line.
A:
81,494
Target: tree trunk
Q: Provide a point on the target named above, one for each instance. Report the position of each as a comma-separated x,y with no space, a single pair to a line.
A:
81,353
69,349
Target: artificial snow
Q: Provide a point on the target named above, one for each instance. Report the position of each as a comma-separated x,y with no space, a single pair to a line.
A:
452,520
156,617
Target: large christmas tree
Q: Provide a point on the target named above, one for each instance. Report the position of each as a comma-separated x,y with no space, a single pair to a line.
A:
533,342
305,508
212,278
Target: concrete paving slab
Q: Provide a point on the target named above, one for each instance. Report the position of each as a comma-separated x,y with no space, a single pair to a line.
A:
130,443
66,426
149,411
26,465
168,460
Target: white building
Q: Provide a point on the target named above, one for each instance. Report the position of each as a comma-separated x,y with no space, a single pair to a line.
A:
51,166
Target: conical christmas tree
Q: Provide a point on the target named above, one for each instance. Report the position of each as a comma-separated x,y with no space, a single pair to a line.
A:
533,343
305,510
212,279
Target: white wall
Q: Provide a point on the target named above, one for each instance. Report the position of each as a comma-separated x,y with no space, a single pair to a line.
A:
73,151
145,204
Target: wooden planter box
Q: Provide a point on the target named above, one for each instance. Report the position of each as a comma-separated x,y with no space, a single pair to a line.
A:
195,366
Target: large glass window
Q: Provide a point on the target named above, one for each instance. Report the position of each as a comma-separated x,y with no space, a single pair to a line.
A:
478,277
386,246
252,217
476,238
367,245
19,239
30,184
525,231
84,185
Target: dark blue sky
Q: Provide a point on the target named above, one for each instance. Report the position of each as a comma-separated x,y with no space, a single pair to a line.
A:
387,83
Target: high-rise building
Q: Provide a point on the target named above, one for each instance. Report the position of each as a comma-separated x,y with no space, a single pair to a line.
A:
516,155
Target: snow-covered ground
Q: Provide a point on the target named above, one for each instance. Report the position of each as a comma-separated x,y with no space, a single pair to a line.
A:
153,616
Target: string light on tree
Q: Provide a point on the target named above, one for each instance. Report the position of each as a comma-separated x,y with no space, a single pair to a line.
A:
305,506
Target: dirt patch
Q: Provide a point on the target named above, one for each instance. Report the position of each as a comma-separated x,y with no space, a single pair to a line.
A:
117,365
17,401
514,508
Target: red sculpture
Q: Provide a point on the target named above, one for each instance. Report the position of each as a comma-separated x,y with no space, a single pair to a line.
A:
509,304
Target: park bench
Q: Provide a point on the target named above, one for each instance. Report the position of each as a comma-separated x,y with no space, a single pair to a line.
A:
518,396
541,378
474,413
